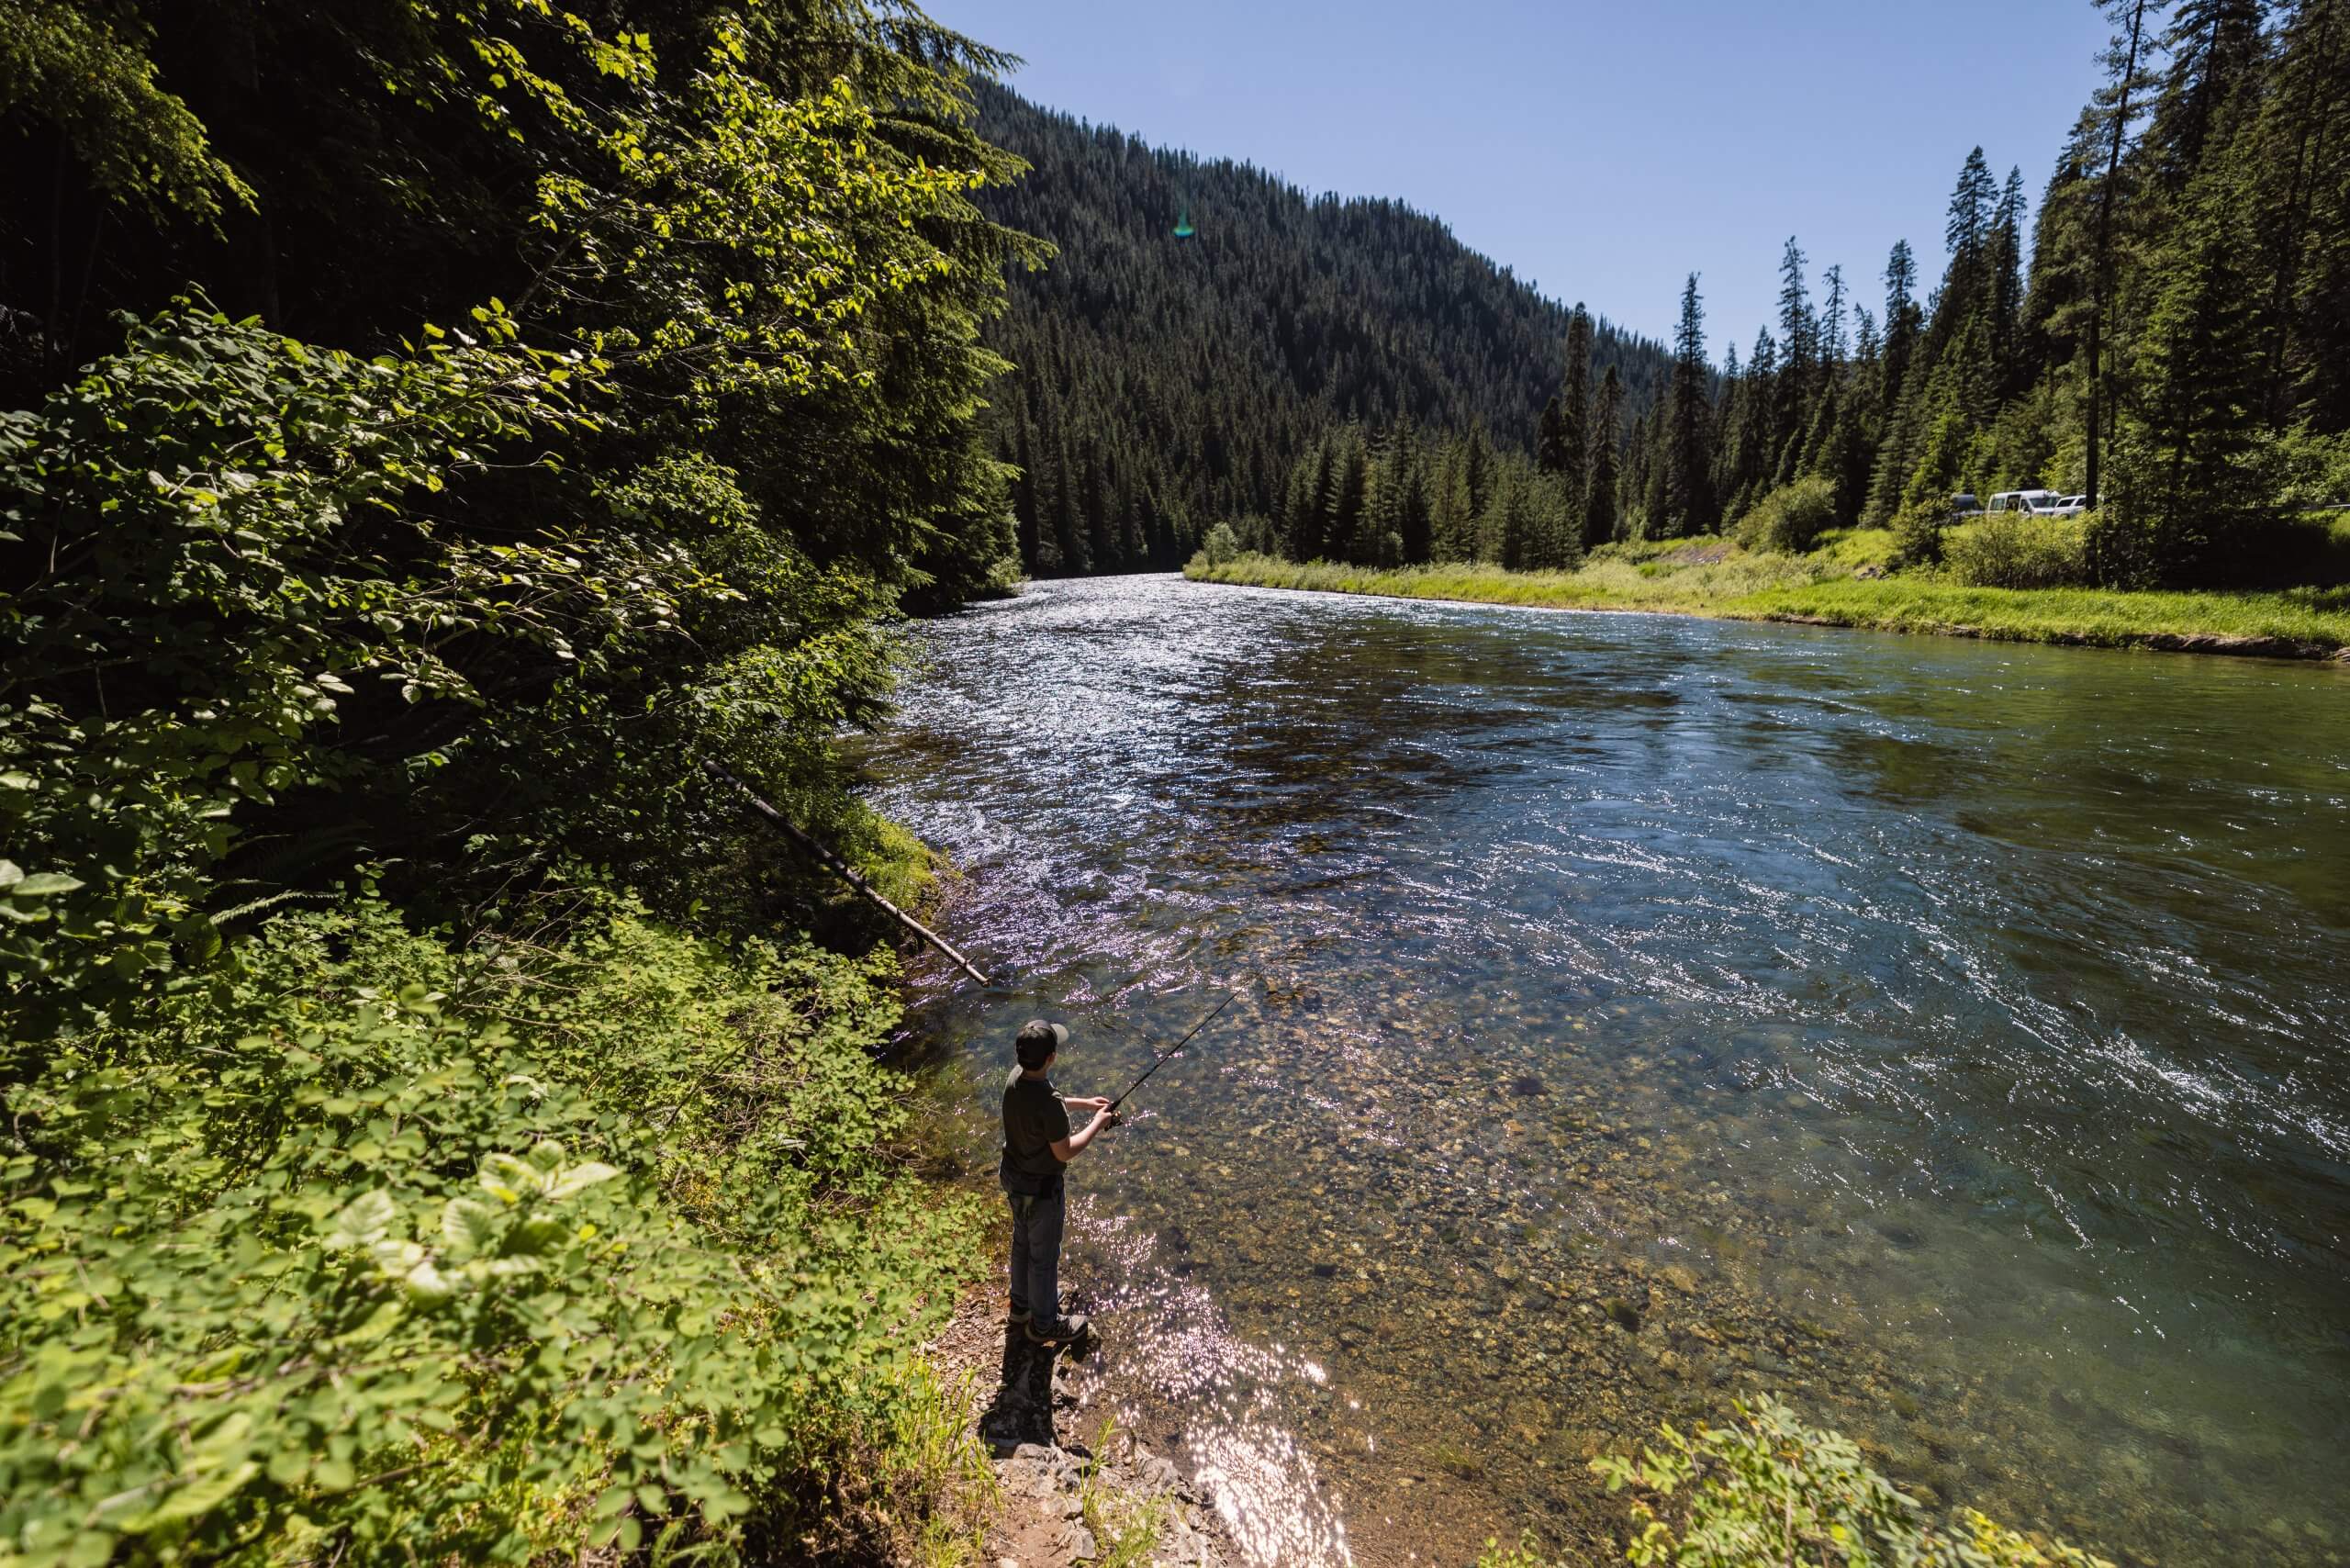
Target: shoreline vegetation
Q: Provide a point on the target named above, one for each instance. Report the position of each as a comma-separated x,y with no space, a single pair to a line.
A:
1844,584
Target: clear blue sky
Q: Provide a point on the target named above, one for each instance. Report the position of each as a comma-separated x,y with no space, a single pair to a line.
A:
1602,149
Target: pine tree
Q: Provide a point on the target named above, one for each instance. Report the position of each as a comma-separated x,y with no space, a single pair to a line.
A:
1574,411
1689,503
2004,259
1798,355
2307,222
1452,504
1342,507
1549,440
2200,368
1831,320
1903,321
1599,505
2213,46
1404,481
1970,206
1752,414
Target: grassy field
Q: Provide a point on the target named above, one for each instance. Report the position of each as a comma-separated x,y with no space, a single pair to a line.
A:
1717,579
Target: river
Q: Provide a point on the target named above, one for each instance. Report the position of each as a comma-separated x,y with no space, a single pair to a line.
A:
1635,1011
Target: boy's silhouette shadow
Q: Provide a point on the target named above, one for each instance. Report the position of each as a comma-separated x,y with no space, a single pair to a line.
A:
1021,1411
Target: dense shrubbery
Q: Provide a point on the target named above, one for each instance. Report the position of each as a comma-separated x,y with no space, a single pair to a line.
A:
1790,520
388,1249
324,1239
1917,534
450,585
2017,550
2315,469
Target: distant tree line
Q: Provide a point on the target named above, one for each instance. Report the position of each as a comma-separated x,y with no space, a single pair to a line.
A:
1402,495
1165,383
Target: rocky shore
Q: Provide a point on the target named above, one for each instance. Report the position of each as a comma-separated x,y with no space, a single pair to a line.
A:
1071,1488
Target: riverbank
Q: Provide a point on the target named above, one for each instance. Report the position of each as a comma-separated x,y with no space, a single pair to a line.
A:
1725,583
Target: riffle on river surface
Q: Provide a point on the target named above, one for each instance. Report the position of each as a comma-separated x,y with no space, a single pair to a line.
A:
1953,1038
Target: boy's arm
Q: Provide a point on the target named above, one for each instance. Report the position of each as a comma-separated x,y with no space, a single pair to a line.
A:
1068,1149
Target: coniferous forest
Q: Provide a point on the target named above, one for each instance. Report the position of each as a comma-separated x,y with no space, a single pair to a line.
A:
2163,330
1171,381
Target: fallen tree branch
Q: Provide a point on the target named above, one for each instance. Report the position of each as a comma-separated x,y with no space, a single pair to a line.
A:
831,862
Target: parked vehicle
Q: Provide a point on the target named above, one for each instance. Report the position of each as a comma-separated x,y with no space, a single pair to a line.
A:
2038,503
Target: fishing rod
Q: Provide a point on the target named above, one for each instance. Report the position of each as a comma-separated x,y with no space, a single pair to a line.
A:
1174,1049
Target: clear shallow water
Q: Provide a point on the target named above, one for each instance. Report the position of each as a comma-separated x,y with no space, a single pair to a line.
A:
1952,1037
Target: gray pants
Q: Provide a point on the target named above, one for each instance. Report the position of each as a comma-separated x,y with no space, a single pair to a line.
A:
1036,1255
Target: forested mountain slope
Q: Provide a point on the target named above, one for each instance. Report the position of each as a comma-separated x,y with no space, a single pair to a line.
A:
1166,382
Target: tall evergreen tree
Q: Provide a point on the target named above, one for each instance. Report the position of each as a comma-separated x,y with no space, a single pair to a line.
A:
1342,509
1832,345
1575,410
2306,322
2200,372
1903,320
2004,260
2118,109
1799,356
1452,504
1750,422
1688,446
1549,440
1972,204
2214,45
1600,508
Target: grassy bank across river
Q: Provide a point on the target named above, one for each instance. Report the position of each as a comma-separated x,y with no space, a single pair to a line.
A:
1720,579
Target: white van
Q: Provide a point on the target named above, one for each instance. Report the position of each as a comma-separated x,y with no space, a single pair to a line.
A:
2039,503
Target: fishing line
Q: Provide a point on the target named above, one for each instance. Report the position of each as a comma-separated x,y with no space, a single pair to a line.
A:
1176,1049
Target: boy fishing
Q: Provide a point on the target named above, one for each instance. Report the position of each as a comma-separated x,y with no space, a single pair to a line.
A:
1038,1144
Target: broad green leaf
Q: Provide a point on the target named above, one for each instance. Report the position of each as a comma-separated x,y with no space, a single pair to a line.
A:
363,1221
199,1496
467,1226
580,1177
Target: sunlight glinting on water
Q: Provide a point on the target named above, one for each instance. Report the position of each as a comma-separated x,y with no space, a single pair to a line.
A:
1180,1356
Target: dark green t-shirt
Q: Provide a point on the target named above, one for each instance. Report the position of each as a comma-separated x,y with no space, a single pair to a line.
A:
1032,1122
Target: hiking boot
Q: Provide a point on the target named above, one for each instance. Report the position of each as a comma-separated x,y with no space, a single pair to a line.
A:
1072,1327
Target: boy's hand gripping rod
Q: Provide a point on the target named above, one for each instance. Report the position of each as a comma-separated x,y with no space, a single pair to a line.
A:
1173,1049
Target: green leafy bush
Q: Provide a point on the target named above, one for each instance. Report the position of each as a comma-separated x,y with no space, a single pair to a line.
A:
1917,534
236,542
393,1250
1769,1490
1221,547
1791,519
2017,550
2314,468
